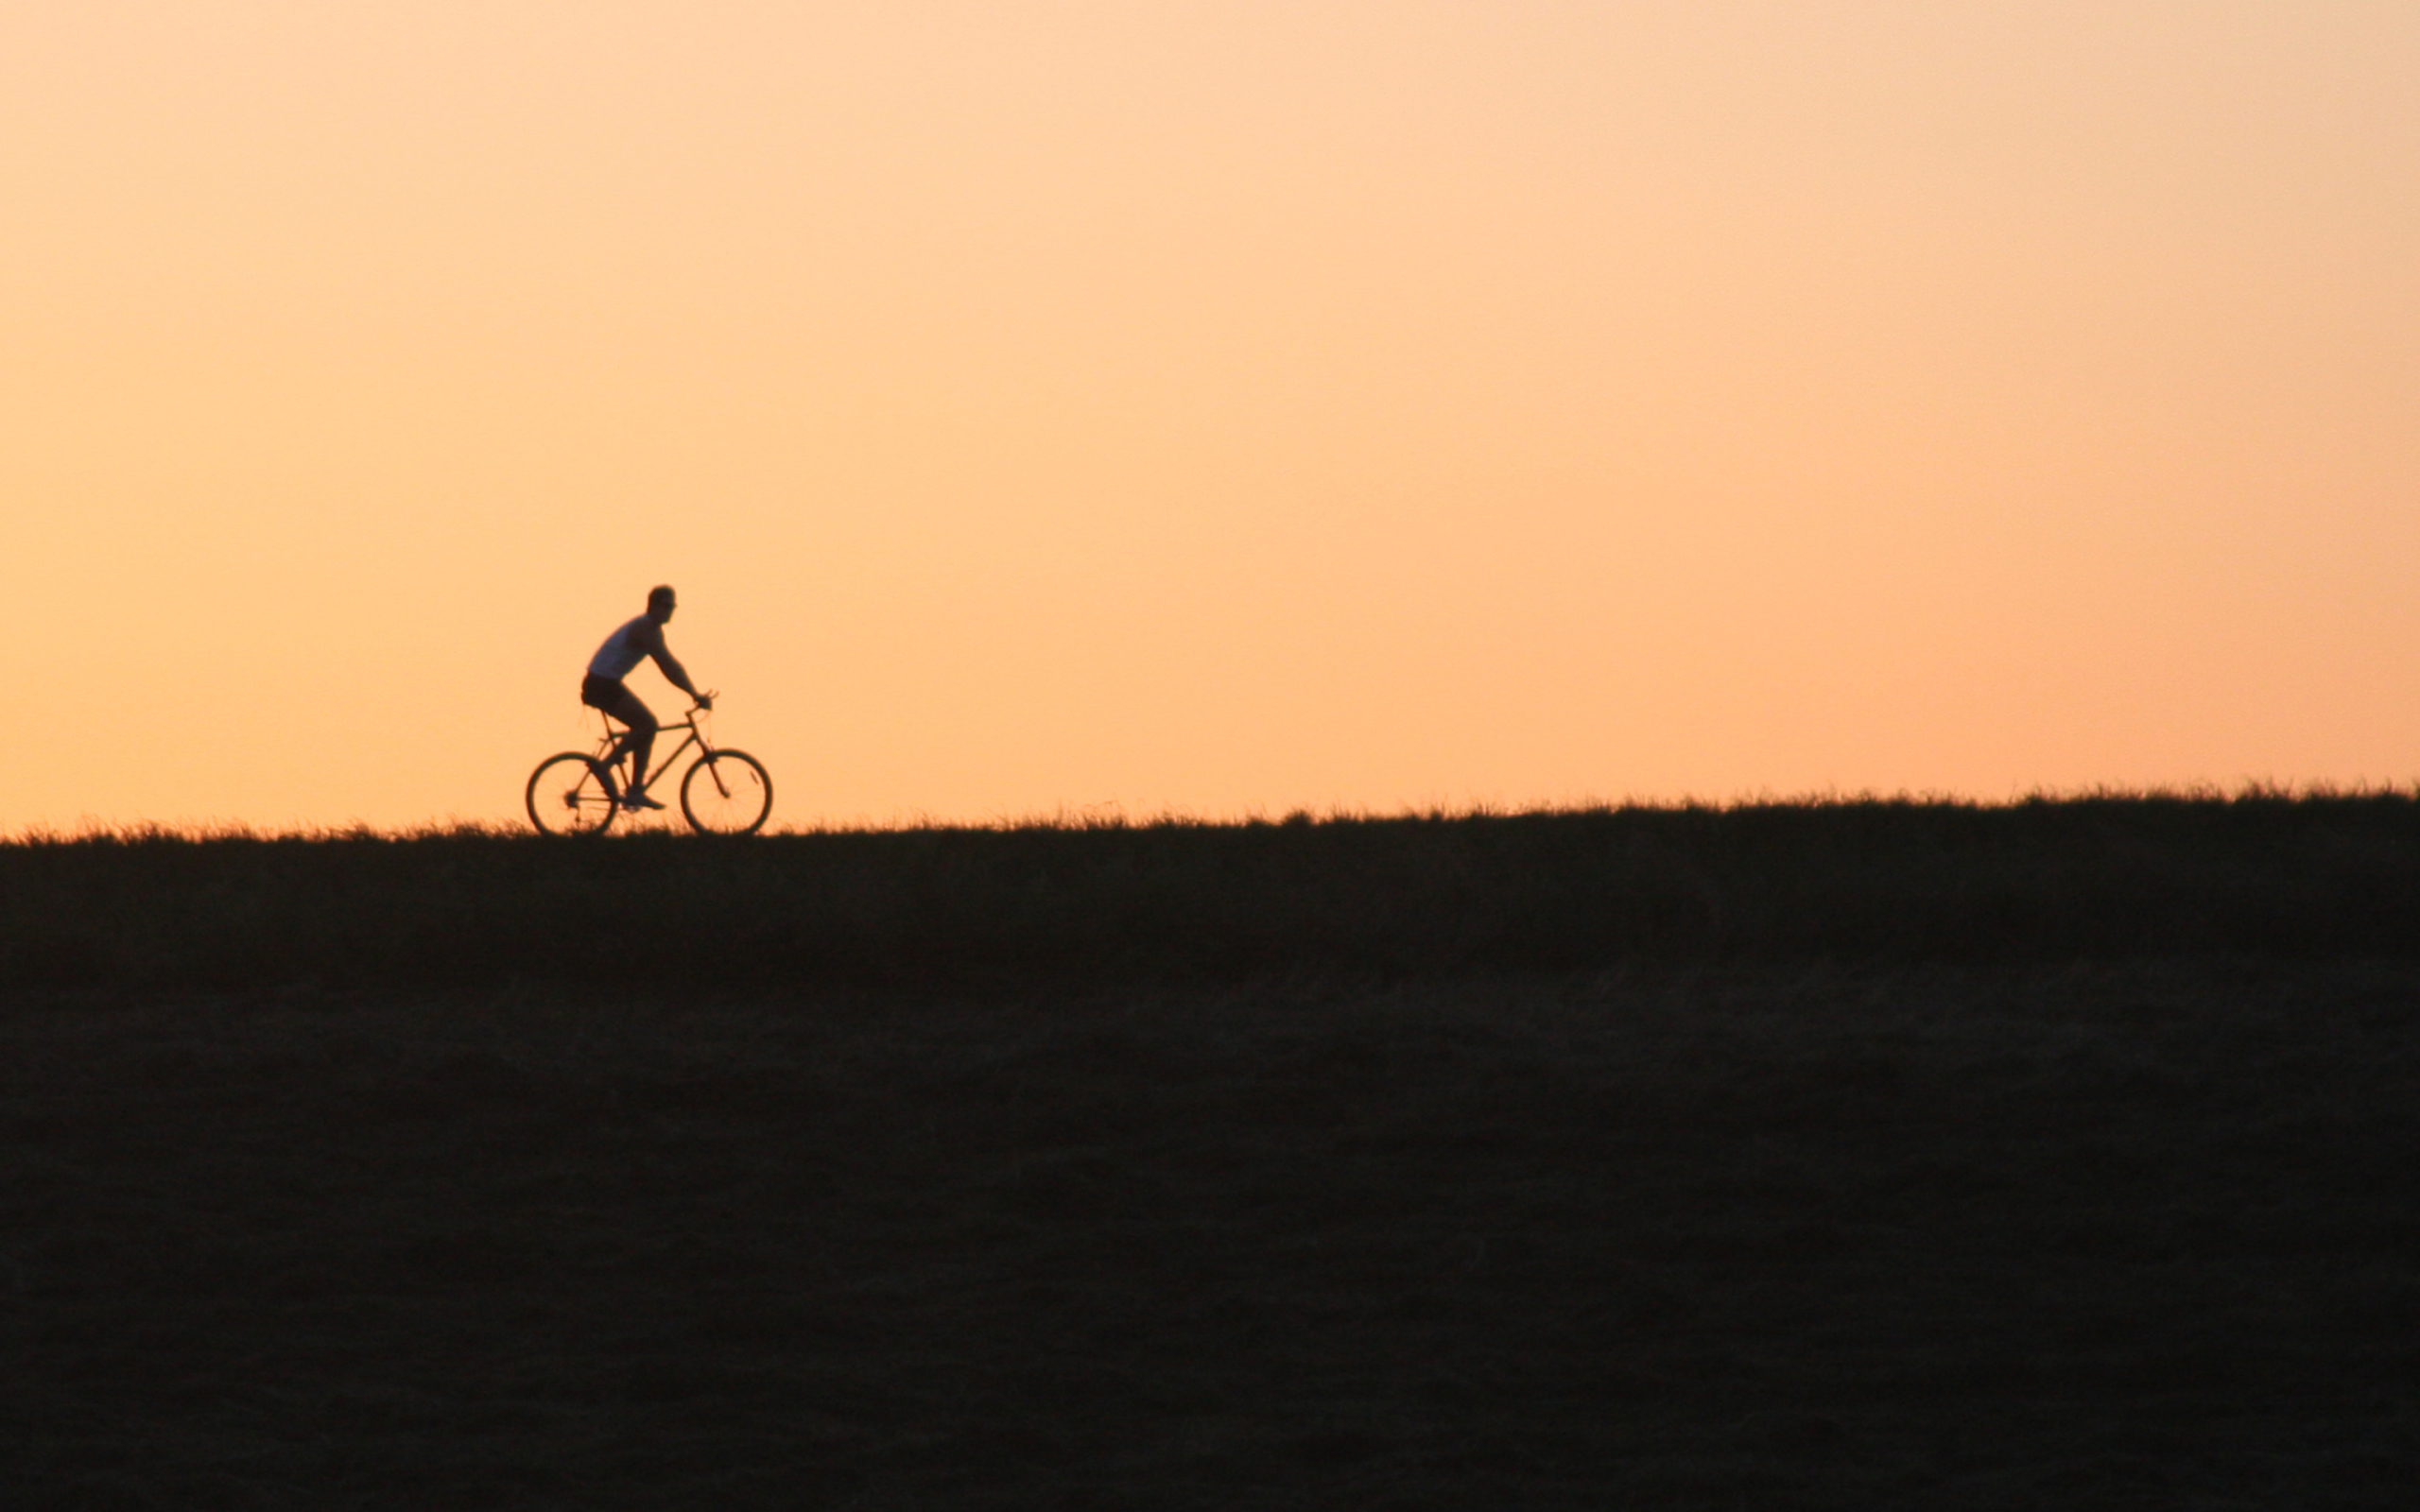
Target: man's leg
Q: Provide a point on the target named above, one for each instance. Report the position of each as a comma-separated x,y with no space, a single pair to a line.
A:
639,740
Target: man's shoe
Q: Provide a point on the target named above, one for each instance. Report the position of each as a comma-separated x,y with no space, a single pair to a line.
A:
639,800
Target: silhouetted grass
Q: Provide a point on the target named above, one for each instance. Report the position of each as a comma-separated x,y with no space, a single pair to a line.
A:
1861,1155
2259,872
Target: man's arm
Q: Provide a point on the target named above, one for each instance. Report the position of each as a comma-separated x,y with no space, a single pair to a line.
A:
670,665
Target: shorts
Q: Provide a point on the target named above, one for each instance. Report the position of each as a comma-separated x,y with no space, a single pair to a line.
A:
611,696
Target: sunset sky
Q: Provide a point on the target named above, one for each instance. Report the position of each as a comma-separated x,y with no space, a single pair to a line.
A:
1222,408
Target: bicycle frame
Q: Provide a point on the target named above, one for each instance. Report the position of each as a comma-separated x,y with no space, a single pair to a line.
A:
615,732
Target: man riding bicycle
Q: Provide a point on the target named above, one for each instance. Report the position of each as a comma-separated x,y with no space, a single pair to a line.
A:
603,688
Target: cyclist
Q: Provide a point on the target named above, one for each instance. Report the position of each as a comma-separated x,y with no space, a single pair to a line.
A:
603,688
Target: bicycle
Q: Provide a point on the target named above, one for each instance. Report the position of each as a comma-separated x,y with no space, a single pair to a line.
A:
723,792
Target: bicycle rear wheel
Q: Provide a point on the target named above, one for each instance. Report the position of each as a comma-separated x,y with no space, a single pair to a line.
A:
726,792
567,796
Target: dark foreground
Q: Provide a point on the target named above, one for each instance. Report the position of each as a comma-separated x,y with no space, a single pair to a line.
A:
1778,1235
1078,908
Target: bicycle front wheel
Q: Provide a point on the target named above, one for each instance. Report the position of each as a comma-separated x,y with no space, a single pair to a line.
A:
567,796
726,792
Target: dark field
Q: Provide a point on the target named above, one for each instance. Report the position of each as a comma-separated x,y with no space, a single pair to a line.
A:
1400,899
2089,1206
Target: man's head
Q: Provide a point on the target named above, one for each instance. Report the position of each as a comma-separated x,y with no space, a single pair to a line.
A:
659,603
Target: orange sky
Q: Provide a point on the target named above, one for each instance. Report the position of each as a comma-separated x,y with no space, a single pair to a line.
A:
1215,406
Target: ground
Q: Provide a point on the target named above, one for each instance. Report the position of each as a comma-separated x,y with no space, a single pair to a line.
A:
2131,1234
